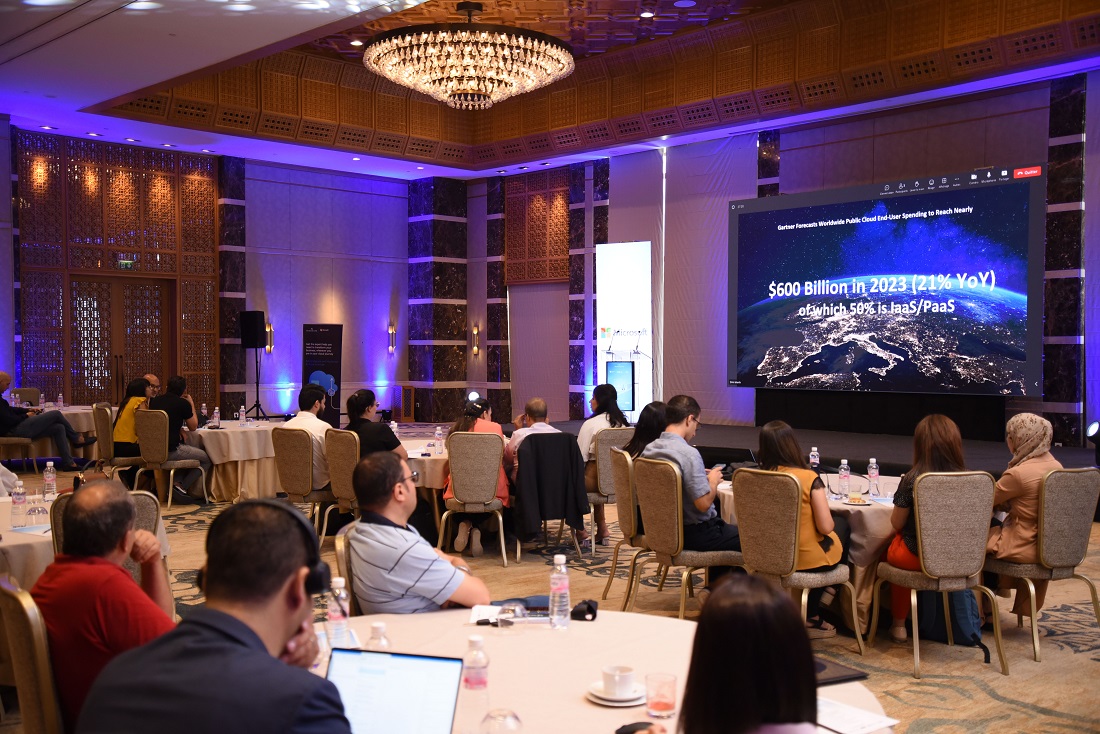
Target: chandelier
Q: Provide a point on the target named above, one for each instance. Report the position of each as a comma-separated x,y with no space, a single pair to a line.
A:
469,66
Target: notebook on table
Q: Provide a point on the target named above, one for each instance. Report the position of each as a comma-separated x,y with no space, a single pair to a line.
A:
384,691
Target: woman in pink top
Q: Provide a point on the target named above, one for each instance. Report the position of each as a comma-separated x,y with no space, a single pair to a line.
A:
477,417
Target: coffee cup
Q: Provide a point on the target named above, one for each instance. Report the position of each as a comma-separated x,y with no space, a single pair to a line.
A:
618,681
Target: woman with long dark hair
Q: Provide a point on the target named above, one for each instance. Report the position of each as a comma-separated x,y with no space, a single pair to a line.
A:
822,537
373,436
477,417
937,446
605,414
651,424
124,433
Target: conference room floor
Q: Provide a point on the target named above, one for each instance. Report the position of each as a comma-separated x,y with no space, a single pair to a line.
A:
957,693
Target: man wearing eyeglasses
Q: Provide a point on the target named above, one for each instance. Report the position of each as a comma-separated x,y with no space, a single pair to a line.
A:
393,569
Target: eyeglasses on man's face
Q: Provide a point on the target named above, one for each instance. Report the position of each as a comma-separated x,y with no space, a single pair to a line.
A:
415,477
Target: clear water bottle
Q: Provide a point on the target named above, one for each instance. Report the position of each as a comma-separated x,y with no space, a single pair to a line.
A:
378,641
559,594
41,401
203,413
438,440
242,417
60,400
393,427
845,478
872,477
475,665
336,620
216,419
49,482
19,506
815,458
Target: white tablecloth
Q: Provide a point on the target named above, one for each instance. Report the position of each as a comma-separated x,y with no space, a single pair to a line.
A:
244,460
542,674
23,554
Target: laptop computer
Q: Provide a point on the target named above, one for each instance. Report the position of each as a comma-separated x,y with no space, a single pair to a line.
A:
384,691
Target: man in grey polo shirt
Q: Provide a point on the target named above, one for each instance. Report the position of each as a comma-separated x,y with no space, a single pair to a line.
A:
704,530
393,569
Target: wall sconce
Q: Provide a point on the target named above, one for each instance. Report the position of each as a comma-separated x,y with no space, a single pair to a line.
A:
269,331
393,338
477,340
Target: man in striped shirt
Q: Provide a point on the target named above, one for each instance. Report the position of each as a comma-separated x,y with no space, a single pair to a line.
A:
393,569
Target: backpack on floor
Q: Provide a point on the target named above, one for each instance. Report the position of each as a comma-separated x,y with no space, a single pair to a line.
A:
966,618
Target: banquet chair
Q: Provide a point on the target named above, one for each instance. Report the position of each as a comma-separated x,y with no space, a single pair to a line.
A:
952,511
607,439
146,517
27,395
769,509
475,460
343,567
294,462
659,487
1064,527
626,505
342,451
28,646
26,449
151,427
101,415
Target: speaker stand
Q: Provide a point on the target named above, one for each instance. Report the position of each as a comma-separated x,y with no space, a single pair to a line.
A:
256,406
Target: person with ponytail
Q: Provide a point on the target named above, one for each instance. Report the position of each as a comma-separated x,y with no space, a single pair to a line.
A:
605,414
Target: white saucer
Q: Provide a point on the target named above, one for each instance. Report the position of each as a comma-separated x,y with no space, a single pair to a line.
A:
596,689
615,704
857,504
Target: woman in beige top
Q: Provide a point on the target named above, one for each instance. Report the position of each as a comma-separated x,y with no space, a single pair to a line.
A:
1017,540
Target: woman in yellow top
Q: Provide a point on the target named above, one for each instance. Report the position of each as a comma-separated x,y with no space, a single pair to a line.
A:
124,433
822,537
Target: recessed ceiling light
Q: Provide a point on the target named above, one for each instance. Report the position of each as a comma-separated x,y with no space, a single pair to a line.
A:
48,127
167,145
502,171
355,159
356,42
684,3
523,168
646,14
207,150
132,140
96,135
420,168
544,164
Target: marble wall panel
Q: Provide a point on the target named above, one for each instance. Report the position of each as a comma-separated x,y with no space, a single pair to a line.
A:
1065,231
229,314
448,363
450,197
601,179
576,183
768,160
448,238
576,274
494,195
440,405
498,368
599,225
232,362
231,177
494,276
1062,365
441,321
231,272
1062,307
576,229
494,237
231,401
576,319
231,225
496,327
767,190
1068,428
576,406
437,280
420,362
421,197
1066,173
576,364
1067,106
420,238
501,402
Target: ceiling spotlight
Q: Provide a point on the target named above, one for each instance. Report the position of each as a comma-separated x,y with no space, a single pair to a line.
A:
646,14
96,135
420,168
544,164
47,127
356,42
167,145
132,140
523,168
207,150
355,158
684,3
502,171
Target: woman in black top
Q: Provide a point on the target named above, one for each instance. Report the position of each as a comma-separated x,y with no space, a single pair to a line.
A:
373,436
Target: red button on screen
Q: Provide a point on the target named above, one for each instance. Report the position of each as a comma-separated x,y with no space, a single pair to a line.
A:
1026,172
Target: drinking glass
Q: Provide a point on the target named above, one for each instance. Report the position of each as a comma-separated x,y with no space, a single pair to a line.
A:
500,721
511,613
660,695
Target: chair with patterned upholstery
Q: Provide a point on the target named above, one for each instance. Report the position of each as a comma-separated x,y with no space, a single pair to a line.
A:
29,649
475,460
342,452
626,505
151,427
659,487
769,510
147,517
294,463
1065,522
952,511
101,415
607,439
343,566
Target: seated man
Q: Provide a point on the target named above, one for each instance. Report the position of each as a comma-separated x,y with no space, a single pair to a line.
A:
533,421
92,608
393,569
311,402
181,412
225,667
33,424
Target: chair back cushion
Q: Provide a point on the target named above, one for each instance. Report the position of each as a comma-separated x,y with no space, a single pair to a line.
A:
293,459
1067,499
147,517
607,439
626,504
952,516
343,562
768,505
660,490
56,510
151,427
101,417
342,451
475,460
27,644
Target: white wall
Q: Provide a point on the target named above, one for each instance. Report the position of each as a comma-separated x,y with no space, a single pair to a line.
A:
538,331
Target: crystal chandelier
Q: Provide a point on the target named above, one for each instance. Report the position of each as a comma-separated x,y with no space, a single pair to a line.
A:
469,66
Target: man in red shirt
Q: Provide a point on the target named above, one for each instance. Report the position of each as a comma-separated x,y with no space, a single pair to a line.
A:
92,607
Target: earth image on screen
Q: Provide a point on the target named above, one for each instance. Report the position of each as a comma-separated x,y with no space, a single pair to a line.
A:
966,341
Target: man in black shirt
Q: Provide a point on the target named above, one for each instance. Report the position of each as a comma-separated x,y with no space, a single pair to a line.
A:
181,412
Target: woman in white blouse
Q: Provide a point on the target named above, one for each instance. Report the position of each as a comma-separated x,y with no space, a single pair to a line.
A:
605,414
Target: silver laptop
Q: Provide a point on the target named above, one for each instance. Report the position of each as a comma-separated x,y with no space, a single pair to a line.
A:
394,692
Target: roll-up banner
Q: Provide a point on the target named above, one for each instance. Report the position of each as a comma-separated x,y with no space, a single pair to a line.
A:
322,348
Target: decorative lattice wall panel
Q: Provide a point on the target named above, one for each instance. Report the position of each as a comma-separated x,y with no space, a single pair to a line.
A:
536,229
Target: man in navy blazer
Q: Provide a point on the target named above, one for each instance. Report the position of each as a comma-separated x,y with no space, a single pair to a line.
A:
225,667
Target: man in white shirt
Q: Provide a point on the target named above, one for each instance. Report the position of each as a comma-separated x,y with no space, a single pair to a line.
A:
533,420
311,401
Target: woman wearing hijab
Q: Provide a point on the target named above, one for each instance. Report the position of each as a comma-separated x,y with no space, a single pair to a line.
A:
1017,539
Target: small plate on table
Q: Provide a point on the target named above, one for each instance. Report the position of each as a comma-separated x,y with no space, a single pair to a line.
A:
863,503
636,696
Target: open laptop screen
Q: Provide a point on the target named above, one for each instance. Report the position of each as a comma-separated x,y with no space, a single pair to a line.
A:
385,691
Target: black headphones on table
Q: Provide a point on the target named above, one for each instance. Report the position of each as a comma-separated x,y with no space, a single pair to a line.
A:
319,578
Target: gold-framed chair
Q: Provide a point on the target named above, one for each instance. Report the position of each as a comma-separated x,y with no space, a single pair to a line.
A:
952,511
343,567
147,517
101,416
151,427
626,504
342,452
659,488
294,463
475,460
606,440
1065,521
26,450
28,646
769,509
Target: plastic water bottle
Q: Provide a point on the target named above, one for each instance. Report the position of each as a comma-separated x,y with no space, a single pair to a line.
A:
41,401
242,417
393,427
559,594
19,506
438,440
49,479
60,400
378,641
336,620
216,419
872,477
845,478
475,665
815,458
202,411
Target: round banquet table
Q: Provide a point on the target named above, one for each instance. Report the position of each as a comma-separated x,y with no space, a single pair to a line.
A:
243,458
433,469
24,554
542,674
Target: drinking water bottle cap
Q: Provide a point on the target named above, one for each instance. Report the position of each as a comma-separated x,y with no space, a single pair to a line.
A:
813,448
559,559
844,462
378,629
874,460
49,464
477,641
338,582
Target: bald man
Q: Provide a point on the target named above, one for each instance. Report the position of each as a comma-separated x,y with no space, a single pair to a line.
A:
154,384
34,424
533,420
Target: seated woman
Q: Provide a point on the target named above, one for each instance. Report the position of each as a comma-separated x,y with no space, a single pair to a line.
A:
477,417
373,436
651,424
124,434
937,446
1017,539
605,414
822,536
